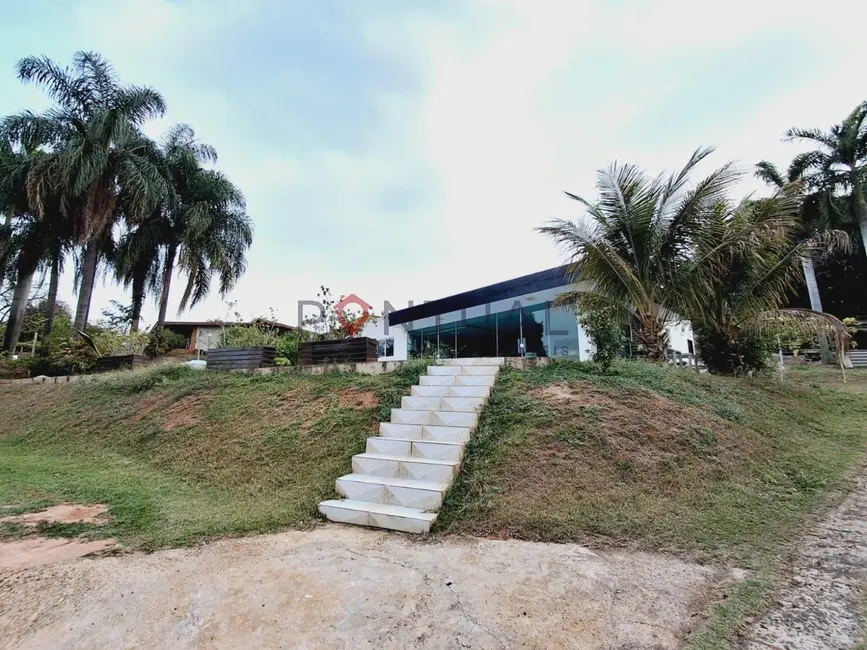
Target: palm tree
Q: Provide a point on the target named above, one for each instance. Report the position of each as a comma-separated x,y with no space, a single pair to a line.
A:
208,231
214,241
139,261
97,152
201,228
633,239
769,173
39,245
745,261
14,167
840,162
28,244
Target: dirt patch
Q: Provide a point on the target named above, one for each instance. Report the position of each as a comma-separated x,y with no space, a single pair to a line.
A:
64,513
354,398
38,551
349,587
186,412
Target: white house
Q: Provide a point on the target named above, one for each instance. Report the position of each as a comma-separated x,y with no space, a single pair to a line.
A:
507,319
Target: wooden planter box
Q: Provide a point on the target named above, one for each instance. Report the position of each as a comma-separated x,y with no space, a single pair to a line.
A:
121,362
360,350
241,358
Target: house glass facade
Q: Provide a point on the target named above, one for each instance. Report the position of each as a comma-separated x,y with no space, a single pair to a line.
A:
522,325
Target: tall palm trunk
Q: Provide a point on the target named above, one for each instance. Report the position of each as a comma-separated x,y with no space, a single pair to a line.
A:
51,300
138,297
88,279
4,245
652,338
167,283
17,311
860,207
816,304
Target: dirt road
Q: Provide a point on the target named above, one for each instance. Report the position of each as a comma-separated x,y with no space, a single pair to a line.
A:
821,604
341,587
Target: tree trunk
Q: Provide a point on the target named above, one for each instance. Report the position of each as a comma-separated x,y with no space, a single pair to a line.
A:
17,311
167,283
816,305
138,298
88,279
4,250
860,208
51,301
652,339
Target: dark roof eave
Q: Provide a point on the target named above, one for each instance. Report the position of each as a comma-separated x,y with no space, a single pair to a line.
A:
540,281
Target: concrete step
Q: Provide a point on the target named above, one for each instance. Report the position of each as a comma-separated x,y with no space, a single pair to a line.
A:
462,404
378,515
450,391
424,432
420,469
453,371
457,380
433,449
444,371
438,418
475,361
409,493
400,480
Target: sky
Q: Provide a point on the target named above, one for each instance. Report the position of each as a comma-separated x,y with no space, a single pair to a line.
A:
406,150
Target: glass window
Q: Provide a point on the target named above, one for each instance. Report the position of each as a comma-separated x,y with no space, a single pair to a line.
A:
477,337
563,333
534,325
508,328
385,347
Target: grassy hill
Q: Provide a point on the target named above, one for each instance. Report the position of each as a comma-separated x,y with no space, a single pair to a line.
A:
657,458
181,455
644,456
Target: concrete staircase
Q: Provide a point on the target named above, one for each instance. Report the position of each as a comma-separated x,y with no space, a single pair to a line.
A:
400,481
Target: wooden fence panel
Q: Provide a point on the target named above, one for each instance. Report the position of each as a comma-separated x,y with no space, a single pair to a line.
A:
357,350
241,358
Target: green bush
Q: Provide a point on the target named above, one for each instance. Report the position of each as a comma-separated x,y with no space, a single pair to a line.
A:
605,331
262,335
162,340
741,354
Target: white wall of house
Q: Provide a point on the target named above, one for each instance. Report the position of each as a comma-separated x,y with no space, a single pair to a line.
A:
202,342
393,346
679,335
586,348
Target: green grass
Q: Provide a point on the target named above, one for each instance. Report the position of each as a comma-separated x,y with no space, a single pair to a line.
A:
714,469
653,457
182,455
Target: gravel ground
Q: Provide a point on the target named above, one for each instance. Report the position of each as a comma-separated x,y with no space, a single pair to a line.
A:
820,605
344,587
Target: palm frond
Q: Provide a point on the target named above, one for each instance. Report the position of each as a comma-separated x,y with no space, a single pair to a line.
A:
67,90
814,135
807,322
768,172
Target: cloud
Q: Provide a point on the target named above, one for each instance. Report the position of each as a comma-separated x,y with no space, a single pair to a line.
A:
408,151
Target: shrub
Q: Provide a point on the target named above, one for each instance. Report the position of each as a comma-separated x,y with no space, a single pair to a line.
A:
162,340
605,331
262,335
744,353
